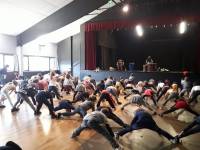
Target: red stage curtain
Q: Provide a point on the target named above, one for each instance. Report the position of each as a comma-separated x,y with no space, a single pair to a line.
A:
92,27
90,50
120,24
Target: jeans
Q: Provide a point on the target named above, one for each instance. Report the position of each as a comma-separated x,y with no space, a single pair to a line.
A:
151,125
79,96
104,130
23,97
78,110
64,105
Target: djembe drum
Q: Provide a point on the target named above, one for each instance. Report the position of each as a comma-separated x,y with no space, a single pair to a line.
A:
151,67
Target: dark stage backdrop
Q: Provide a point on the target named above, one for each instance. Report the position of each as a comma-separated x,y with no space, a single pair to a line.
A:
167,47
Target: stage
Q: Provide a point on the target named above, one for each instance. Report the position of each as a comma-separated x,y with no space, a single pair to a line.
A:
139,75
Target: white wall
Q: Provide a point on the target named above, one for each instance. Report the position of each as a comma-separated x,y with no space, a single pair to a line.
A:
8,44
34,49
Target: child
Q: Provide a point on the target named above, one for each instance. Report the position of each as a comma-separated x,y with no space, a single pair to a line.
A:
82,108
8,89
192,128
97,120
179,104
42,98
143,120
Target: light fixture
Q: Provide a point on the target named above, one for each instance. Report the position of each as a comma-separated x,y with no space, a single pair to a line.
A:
139,30
182,27
125,8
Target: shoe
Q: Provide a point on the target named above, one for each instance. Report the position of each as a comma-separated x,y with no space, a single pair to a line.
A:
14,109
154,113
2,106
161,115
13,145
37,113
116,135
53,116
116,146
175,140
119,103
126,125
58,115
73,135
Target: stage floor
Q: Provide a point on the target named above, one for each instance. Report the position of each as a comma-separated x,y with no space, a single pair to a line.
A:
139,75
43,133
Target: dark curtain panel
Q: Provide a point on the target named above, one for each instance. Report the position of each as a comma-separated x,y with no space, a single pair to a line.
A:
90,50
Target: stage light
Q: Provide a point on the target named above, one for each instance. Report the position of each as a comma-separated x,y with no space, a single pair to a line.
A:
182,27
125,8
139,30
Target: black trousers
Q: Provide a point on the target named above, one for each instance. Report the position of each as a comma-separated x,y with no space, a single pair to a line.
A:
45,102
163,91
112,116
104,130
23,97
192,128
105,96
151,125
170,97
173,108
55,90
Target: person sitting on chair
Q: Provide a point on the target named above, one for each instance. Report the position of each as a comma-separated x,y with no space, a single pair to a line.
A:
120,65
149,60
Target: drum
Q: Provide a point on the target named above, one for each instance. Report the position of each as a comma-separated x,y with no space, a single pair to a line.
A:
131,66
151,67
144,68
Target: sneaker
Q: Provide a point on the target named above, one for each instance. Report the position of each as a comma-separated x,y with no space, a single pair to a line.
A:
116,135
175,140
2,106
14,109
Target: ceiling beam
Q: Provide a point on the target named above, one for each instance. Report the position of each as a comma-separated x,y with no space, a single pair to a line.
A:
61,18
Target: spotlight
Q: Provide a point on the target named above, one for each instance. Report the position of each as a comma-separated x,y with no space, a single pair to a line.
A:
182,27
125,8
139,30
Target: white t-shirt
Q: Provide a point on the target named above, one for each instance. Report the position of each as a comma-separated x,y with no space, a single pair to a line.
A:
194,89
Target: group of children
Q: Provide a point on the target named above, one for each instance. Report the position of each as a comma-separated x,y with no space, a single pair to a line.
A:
89,95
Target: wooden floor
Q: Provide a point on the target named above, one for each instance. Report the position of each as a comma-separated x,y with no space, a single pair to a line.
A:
42,133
